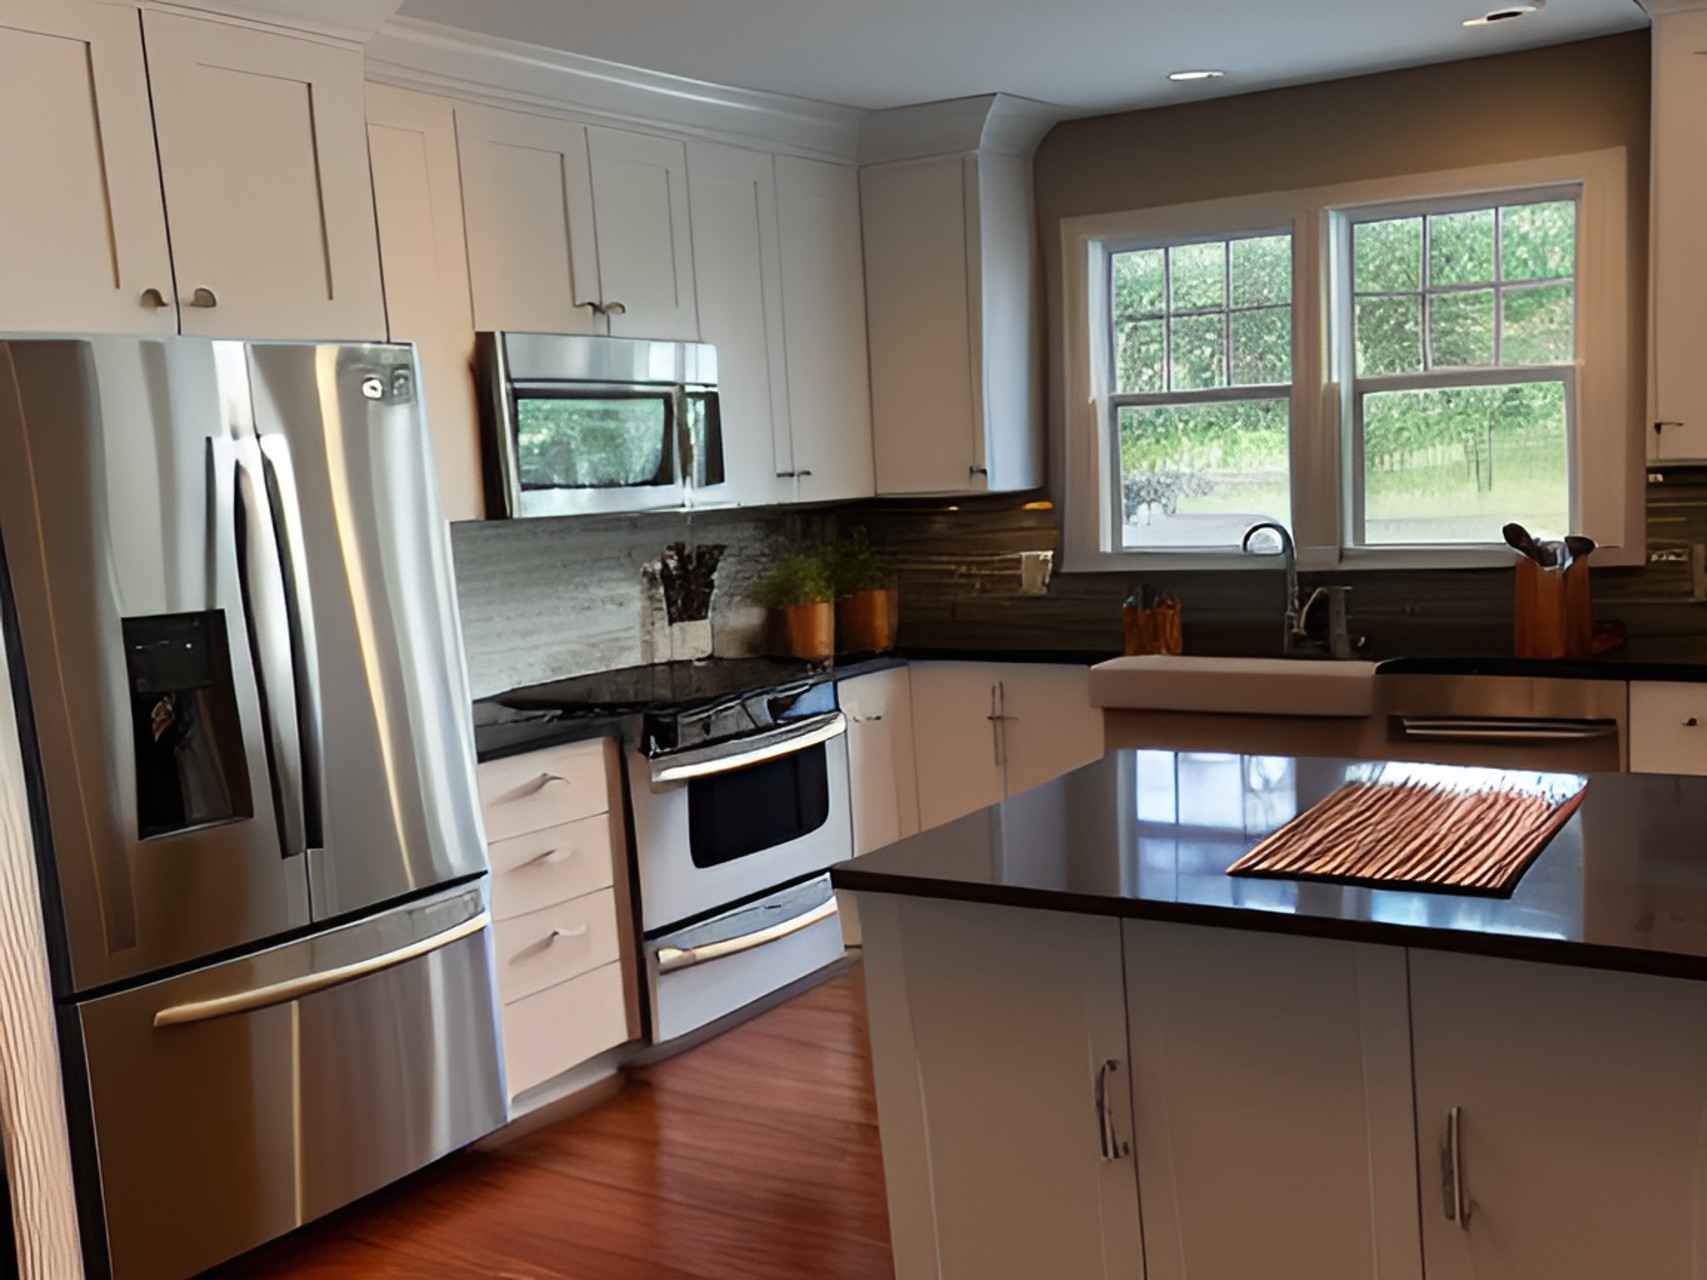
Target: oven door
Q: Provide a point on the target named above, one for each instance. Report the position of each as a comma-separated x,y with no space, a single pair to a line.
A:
720,825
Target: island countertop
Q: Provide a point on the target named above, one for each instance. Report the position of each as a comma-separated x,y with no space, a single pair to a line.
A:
1150,834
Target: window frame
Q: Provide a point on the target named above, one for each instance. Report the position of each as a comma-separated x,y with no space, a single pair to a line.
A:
1606,442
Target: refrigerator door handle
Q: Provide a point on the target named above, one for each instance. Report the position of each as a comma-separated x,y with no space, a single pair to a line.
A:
257,998
286,511
267,624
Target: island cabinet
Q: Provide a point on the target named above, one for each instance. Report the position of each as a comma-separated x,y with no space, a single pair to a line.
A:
1668,727
216,184
1187,1102
575,228
1579,1100
985,730
999,1041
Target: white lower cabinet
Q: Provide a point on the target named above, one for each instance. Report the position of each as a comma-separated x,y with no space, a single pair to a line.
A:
1297,1108
1581,1105
986,730
1274,1124
1668,727
562,935
993,1146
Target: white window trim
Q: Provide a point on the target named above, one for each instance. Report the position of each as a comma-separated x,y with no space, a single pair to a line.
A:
1607,454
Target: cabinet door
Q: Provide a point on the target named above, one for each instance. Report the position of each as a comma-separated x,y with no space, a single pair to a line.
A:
823,307
417,195
85,232
738,281
1273,1106
955,739
527,198
885,782
640,212
1679,272
263,155
993,1030
919,289
1048,725
1668,728
1580,1096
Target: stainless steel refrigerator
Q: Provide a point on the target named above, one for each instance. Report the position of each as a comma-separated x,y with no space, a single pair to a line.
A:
227,595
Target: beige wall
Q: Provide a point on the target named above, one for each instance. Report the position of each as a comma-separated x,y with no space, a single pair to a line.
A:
1556,101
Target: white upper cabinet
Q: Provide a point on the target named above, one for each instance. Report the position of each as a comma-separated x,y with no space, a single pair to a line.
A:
1678,426
645,249
738,276
417,197
823,305
574,229
84,248
263,158
950,269
527,196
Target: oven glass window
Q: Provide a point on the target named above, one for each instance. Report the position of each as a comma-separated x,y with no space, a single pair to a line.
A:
746,811
602,441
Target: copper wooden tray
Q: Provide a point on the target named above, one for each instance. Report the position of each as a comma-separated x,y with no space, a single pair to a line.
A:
1411,835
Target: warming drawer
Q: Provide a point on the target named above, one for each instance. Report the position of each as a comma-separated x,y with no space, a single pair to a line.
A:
1519,722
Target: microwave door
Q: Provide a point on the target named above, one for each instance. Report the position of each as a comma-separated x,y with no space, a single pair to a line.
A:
124,528
584,447
347,459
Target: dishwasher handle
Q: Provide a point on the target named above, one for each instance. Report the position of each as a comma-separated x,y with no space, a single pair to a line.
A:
1513,730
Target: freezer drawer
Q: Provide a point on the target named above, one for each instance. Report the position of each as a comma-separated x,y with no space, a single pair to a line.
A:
226,1111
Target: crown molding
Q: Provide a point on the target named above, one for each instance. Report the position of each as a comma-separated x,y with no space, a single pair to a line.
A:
352,20
994,123
435,58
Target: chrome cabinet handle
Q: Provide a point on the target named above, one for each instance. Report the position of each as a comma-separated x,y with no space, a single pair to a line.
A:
579,931
204,297
613,309
1109,1143
802,474
786,475
977,471
1691,723
550,855
532,787
153,299
1452,1170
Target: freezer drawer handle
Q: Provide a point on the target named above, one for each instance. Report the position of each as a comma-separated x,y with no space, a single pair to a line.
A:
673,958
308,984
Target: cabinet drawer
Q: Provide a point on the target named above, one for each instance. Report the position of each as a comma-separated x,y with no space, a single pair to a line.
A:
1668,728
542,948
543,789
563,1026
542,868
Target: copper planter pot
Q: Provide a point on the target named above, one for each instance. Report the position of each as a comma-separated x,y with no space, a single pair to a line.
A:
866,621
809,630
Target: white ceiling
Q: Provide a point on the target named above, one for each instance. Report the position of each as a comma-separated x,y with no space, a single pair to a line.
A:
1087,56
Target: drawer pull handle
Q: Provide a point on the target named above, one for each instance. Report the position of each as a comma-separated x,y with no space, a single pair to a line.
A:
551,855
532,787
1691,723
579,931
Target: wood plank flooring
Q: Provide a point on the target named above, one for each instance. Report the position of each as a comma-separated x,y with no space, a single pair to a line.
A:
751,1157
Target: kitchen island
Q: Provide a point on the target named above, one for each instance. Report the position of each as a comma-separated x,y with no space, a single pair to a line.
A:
1097,1055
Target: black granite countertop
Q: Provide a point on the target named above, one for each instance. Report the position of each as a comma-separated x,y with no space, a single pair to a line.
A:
1149,834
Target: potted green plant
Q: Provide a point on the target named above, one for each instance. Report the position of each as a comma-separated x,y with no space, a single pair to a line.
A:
798,587
867,603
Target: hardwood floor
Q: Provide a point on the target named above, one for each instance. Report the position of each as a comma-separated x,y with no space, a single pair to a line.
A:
751,1157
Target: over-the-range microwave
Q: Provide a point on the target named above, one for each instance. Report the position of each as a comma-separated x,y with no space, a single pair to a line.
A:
574,424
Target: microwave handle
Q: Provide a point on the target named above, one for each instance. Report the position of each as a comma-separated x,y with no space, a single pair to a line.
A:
724,757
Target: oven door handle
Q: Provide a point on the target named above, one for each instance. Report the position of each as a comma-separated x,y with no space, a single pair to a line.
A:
704,762
672,958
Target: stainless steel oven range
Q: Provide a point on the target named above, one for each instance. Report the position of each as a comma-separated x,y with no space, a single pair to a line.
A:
738,789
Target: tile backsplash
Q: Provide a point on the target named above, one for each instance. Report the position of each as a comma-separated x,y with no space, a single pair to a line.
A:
545,599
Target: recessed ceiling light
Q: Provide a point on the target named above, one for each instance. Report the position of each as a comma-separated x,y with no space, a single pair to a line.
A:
1506,14
1196,75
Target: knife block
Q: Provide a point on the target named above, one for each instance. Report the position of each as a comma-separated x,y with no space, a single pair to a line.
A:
1553,617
